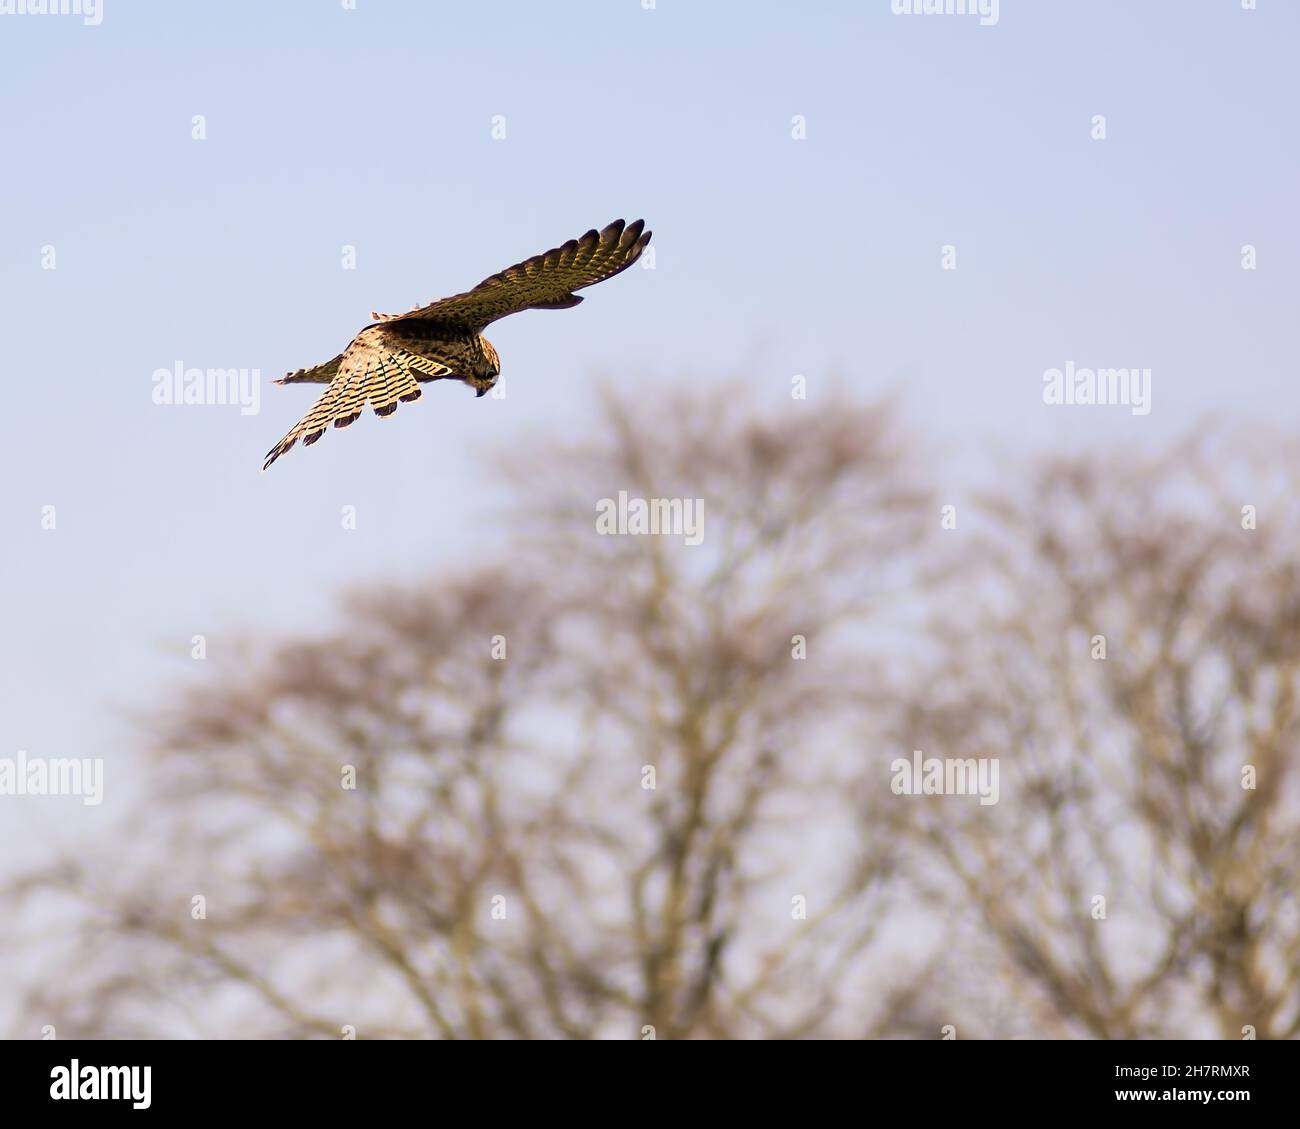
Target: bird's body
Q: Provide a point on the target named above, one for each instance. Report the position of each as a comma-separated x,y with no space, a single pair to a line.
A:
386,362
470,356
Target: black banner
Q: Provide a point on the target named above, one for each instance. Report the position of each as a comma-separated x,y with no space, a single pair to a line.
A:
169,1078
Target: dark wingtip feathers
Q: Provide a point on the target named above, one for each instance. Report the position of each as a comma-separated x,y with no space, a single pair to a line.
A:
276,451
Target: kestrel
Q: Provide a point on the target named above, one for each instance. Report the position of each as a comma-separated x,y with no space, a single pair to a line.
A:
388,360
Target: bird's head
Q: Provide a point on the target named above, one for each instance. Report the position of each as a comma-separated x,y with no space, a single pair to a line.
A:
491,367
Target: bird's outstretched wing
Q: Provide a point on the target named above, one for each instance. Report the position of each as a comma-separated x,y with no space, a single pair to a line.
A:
376,370
544,282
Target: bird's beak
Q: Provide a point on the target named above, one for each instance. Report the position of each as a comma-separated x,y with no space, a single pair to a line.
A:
480,393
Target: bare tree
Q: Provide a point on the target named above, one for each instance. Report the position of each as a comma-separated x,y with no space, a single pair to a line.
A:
596,788
1123,633
618,782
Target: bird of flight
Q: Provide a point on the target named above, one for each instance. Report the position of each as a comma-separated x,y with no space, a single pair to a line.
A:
388,360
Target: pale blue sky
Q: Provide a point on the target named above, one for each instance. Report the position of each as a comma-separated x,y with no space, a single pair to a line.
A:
328,127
